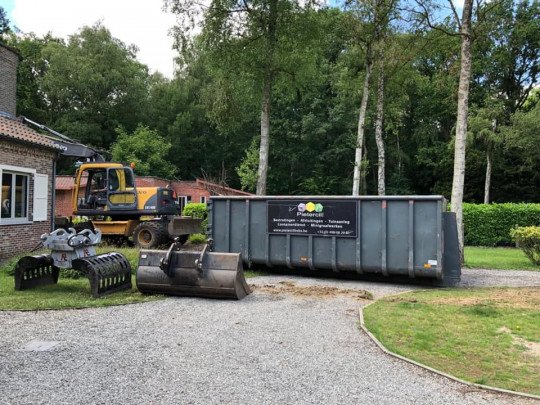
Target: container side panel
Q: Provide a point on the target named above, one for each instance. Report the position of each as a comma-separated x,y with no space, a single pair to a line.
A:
322,252
300,251
425,238
278,250
371,236
257,232
219,209
346,254
237,227
397,242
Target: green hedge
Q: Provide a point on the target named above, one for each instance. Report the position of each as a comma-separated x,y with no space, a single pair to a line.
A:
490,224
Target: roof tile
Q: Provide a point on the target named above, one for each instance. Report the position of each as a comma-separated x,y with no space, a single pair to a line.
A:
15,129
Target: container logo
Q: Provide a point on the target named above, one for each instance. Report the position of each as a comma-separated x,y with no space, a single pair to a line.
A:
310,207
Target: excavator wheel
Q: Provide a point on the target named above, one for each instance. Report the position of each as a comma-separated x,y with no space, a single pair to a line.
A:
150,235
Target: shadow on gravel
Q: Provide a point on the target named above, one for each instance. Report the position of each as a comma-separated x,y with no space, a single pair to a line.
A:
329,274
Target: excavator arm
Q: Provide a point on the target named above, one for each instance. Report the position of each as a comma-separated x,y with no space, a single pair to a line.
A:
67,146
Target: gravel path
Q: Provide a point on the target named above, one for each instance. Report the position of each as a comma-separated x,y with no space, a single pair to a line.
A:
264,349
507,278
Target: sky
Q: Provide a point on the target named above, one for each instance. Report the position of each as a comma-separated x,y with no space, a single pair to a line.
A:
139,22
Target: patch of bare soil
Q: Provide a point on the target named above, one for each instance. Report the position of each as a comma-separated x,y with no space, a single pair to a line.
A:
533,348
523,297
312,291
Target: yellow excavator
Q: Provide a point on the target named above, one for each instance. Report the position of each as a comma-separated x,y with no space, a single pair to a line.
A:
106,193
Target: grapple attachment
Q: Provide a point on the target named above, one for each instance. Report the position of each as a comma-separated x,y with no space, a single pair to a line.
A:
107,273
34,271
192,273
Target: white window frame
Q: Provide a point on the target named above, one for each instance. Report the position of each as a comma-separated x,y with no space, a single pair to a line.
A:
182,201
203,199
30,173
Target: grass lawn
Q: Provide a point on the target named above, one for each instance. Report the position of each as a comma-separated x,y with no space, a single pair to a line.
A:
499,258
68,293
487,336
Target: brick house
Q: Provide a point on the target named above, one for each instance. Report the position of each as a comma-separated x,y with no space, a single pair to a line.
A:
187,191
27,161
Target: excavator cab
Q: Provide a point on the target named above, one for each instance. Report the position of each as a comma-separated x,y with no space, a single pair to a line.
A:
102,187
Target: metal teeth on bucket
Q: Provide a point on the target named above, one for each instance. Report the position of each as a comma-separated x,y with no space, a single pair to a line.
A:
192,274
34,271
107,273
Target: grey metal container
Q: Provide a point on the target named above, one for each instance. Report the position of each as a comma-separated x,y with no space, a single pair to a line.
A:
411,236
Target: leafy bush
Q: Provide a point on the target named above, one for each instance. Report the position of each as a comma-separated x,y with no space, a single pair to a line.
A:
197,210
490,224
528,239
197,239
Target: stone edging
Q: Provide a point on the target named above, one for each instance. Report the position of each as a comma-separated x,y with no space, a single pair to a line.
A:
433,370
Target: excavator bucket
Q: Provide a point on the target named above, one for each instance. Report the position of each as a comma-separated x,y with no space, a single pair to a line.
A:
107,273
192,273
34,271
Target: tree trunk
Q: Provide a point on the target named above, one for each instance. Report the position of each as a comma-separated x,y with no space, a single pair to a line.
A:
361,129
381,189
266,100
264,149
458,182
487,184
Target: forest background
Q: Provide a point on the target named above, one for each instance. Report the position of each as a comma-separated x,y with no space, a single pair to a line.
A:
310,62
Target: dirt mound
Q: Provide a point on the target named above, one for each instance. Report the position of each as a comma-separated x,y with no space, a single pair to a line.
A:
313,291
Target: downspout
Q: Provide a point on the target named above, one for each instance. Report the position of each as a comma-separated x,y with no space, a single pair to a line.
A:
53,198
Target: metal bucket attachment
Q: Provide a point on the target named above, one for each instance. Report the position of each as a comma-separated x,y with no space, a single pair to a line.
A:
107,273
34,271
193,274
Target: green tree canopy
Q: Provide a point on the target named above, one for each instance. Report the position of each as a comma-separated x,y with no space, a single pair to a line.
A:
93,84
146,149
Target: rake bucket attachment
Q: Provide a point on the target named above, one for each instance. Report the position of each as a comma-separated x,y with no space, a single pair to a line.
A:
34,271
107,273
192,274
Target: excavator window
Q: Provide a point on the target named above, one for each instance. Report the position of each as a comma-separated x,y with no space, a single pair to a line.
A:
121,189
108,189
96,190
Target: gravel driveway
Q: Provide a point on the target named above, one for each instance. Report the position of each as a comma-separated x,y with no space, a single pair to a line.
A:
267,348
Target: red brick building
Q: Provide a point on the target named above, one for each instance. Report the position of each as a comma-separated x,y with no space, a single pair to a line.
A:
198,191
27,161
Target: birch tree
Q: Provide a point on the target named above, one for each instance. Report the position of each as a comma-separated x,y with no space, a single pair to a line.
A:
375,16
246,35
381,180
458,182
464,29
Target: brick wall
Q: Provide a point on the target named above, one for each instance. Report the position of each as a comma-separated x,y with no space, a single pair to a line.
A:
8,80
18,238
62,205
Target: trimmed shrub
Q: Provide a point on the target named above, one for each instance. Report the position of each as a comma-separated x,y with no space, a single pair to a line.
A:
528,239
490,224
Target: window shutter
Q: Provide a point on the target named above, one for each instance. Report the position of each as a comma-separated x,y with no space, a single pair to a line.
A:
41,195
